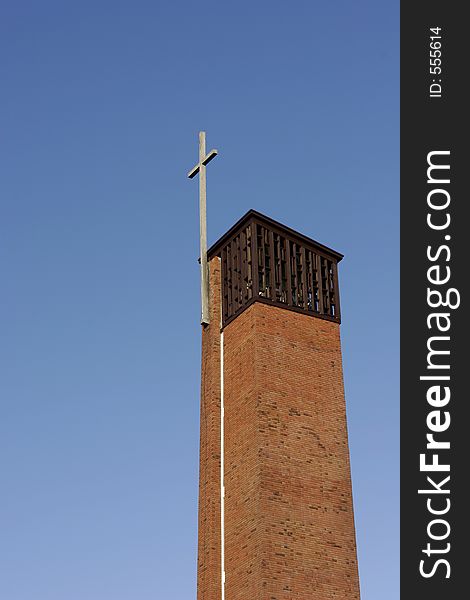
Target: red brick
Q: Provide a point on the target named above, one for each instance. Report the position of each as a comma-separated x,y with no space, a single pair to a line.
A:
289,526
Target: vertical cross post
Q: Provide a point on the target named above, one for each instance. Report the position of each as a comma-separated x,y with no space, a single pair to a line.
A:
203,231
200,168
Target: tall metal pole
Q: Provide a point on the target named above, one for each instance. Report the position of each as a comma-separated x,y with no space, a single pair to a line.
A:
200,168
203,230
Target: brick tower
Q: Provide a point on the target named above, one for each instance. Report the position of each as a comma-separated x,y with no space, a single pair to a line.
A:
275,505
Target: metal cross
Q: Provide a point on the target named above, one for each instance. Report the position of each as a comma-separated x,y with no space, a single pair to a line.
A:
200,168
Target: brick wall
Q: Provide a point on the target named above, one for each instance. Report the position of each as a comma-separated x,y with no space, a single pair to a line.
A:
289,528
208,572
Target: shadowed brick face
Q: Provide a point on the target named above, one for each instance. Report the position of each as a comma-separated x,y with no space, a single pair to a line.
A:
289,527
209,563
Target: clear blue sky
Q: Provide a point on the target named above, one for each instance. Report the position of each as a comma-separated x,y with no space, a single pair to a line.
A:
101,103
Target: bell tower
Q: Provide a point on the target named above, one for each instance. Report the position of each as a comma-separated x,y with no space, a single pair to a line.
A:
275,502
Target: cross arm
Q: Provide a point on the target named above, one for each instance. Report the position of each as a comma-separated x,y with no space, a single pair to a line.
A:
195,170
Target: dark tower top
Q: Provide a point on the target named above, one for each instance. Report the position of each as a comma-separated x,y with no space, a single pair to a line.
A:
265,261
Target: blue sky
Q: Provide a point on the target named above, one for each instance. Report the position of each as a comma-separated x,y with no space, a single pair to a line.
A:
101,104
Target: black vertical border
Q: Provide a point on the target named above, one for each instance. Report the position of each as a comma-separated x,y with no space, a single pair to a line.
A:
429,124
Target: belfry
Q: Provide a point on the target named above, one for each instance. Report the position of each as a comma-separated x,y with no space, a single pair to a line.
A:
275,502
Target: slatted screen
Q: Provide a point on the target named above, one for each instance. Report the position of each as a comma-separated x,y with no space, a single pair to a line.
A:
263,263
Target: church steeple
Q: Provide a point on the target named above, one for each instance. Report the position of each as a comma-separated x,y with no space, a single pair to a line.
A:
275,500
